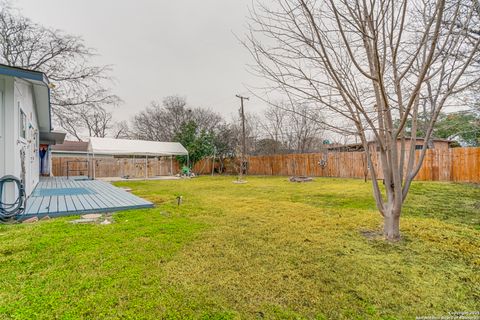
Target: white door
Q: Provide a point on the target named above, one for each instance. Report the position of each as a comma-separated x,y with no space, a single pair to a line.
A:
2,138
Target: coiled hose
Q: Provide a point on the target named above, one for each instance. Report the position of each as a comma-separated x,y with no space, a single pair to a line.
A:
10,210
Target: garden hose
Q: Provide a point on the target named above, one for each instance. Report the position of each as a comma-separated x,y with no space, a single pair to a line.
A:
10,210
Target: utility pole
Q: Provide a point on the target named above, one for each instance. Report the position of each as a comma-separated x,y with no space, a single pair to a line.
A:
244,147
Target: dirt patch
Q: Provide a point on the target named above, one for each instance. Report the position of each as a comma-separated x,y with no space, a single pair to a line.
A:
300,179
371,234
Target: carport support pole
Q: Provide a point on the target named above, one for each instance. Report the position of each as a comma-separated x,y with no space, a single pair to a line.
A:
88,166
213,163
146,167
94,166
122,169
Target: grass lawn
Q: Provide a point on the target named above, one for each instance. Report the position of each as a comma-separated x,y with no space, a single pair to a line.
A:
267,249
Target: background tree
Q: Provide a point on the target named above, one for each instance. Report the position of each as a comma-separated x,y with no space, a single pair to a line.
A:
121,130
294,128
225,143
252,132
463,127
162,122
274,125
83,120
198,142
269,146
64,58
366,64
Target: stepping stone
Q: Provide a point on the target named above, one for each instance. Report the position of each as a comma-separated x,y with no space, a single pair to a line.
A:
93,216
30,220
81,221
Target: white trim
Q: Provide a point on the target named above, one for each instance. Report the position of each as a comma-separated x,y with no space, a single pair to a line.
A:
20,123
67,151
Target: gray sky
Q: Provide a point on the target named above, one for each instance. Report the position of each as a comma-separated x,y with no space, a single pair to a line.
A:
160,48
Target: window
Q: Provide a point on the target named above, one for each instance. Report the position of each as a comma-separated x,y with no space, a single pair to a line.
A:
420,147
23,123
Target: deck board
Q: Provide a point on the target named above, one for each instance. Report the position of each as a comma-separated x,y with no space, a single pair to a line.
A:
62,205
36,202
70,204
43,208
53,204
87,204
69,197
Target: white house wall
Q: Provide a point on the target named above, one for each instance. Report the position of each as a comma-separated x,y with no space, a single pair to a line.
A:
18,94
7,84
2,128
24,99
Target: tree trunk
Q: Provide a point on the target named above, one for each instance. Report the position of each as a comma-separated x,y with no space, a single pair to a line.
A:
391,226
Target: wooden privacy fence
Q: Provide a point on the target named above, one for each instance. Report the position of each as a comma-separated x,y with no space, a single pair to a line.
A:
115,167
456,164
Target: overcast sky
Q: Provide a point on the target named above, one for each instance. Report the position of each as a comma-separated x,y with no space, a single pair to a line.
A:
160,48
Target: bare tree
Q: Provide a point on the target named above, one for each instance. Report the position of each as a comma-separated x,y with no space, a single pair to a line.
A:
294,128
121,130
366,65
274,124
71,123
80,121
161,122
98,122
62,57
225,144
252,132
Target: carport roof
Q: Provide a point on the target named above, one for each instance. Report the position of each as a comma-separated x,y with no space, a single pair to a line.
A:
134,147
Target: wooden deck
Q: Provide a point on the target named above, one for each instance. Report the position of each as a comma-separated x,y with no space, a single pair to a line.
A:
59,196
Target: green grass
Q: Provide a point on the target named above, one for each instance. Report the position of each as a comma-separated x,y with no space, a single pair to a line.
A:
267,249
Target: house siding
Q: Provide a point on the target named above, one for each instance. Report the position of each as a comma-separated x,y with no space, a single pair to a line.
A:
18,94
24,99
2,127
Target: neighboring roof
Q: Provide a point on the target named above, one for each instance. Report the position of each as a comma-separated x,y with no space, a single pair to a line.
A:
359,146
345,147
433,139
41,92
134,147
71,146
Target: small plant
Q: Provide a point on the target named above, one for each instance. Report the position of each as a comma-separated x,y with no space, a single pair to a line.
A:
185,170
